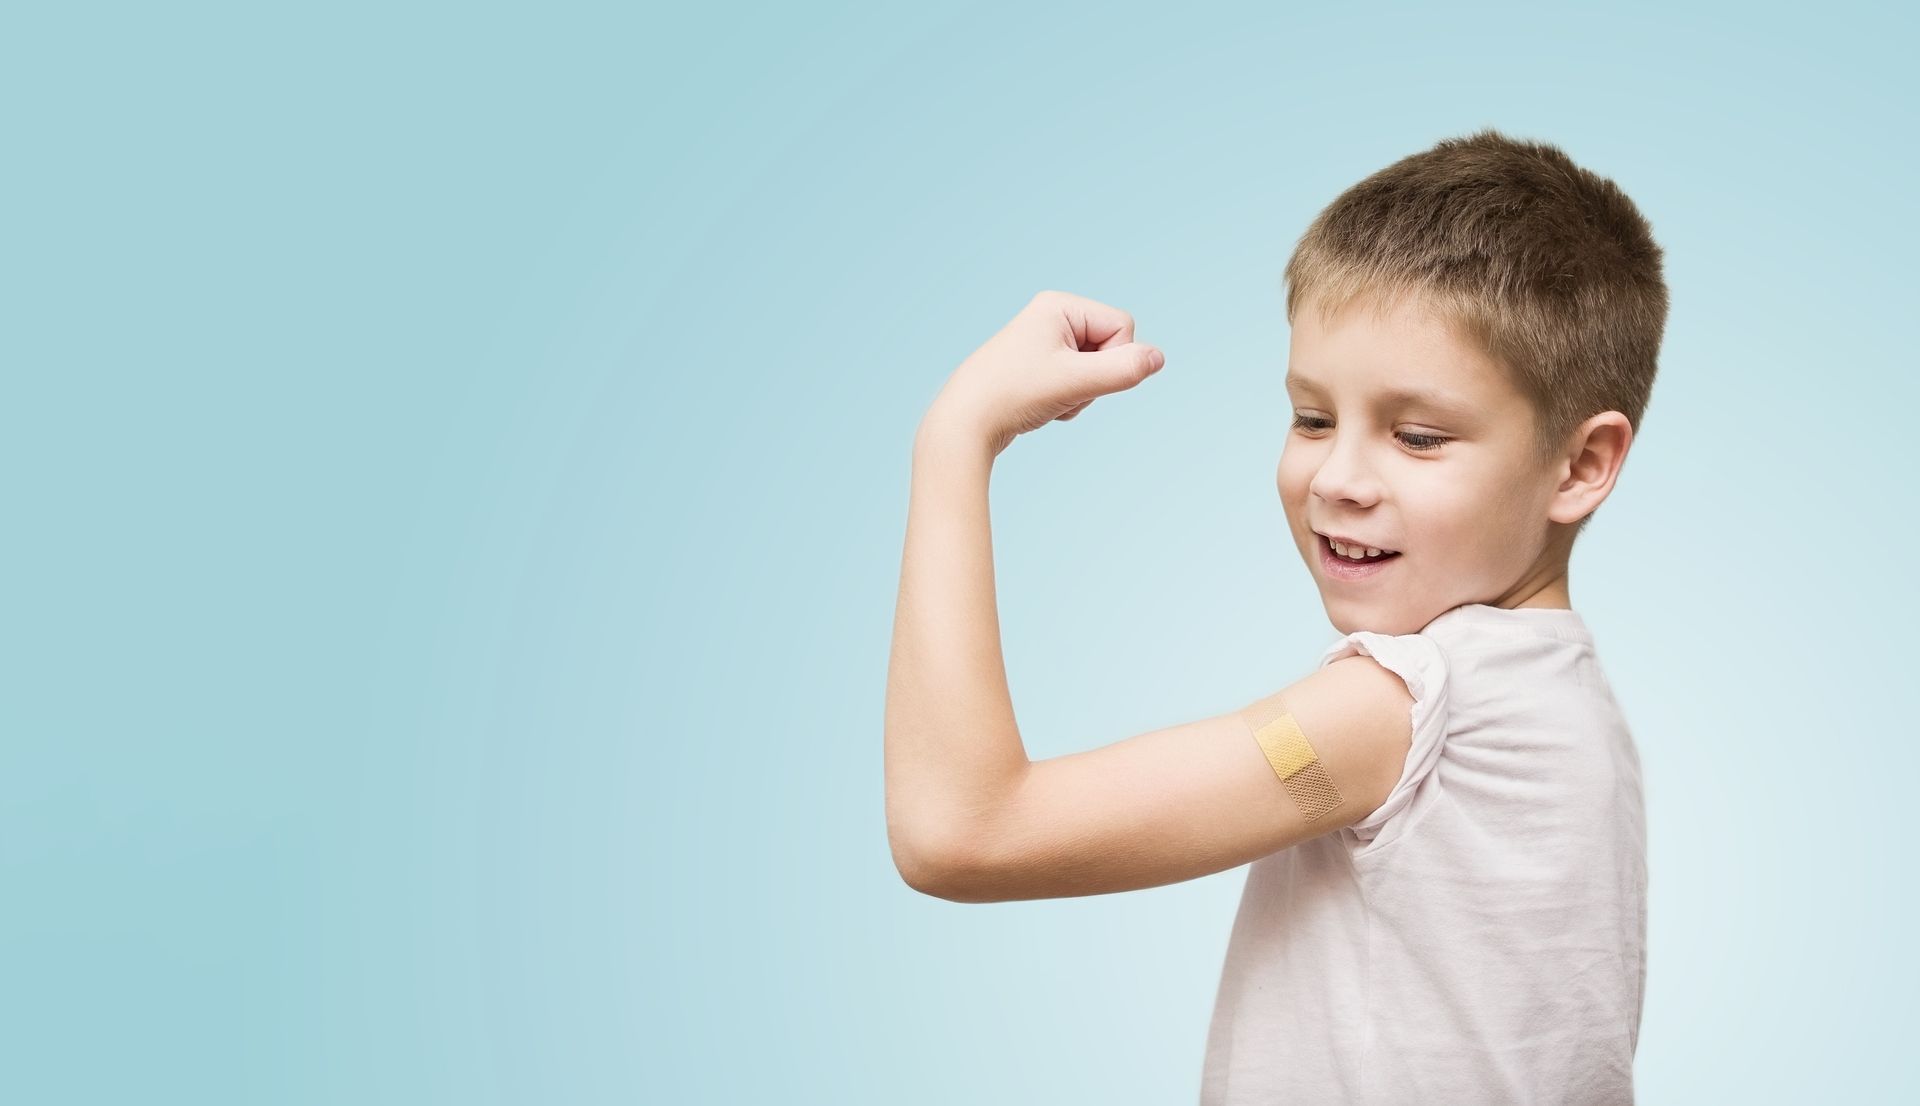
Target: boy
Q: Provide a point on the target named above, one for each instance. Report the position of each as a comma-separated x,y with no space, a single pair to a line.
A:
1446,898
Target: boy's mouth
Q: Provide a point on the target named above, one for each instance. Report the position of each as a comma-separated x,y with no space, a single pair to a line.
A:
1341,567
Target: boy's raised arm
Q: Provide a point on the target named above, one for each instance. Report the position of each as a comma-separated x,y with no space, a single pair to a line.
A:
953,752
969,816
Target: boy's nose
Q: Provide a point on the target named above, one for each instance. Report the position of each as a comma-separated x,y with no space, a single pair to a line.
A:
1344,475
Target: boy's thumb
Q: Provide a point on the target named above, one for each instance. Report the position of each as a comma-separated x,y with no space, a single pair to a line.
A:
1124,365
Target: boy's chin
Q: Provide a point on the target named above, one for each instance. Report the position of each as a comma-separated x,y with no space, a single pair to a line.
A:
1378,615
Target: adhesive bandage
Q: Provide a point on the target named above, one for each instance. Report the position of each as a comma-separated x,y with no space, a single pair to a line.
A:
1292,758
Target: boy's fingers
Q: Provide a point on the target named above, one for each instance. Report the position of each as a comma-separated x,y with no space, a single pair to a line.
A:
1122,366
1094,325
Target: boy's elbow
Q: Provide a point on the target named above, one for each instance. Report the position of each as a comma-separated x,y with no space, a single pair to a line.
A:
914,869
917,864
949,883
935,869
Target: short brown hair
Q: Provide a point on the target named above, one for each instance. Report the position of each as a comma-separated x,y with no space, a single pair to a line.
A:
1546,266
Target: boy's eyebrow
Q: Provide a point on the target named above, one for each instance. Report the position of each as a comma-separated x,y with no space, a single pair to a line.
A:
1403,396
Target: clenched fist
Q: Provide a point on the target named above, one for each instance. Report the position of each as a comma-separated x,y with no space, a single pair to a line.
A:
1055,357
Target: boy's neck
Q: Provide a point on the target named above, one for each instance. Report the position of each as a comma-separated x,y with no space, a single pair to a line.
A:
1551,594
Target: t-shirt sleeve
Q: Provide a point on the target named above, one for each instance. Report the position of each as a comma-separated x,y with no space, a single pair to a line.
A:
1417,660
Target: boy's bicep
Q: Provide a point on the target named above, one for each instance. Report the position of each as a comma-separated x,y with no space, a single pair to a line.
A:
1194,799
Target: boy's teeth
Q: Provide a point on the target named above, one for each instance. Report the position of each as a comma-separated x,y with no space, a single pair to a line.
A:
1352,552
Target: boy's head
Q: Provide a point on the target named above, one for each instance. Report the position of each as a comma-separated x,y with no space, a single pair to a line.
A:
1526,294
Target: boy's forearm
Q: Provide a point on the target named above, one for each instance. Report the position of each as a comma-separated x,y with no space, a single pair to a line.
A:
953,749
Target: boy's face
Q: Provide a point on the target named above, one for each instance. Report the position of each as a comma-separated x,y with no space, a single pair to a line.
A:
1448,482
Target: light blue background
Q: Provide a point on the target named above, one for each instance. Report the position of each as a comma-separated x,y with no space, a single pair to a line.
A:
455,469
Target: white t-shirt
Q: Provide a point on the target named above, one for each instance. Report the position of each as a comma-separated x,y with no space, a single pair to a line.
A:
1481,938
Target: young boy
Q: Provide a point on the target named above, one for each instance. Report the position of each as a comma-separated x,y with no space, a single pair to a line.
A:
1447,894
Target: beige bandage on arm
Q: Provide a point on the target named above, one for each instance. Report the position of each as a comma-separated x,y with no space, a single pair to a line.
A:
1292,758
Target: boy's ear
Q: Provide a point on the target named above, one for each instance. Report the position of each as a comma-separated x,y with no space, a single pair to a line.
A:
1595,453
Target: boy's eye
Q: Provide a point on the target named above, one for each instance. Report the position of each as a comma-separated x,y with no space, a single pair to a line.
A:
1421,442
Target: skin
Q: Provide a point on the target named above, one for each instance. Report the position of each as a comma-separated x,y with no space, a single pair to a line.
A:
1476,518
971,818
